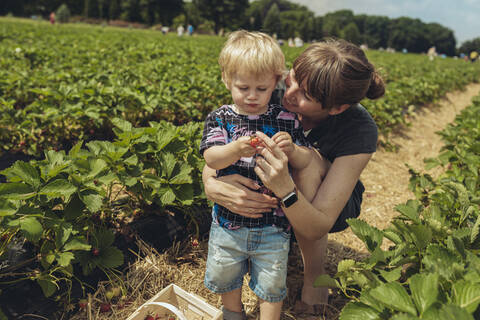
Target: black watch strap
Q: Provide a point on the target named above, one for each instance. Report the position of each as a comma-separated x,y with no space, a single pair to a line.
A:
289,199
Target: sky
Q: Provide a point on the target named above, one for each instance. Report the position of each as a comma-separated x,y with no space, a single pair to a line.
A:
461,16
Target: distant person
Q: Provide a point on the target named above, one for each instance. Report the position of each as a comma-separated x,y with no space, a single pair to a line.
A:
432,53
473,56
190,30
52,17
252,64
180,30
290,42
165,29
298,42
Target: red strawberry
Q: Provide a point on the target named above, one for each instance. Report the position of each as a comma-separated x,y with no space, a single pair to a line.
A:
149,317
82,303
95,252
195,243
105,307
255,141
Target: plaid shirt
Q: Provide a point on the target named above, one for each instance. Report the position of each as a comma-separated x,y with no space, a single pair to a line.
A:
223,126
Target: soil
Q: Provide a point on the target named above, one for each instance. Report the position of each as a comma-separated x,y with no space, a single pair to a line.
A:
386,181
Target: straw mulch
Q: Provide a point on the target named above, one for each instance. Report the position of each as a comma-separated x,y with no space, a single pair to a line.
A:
386,181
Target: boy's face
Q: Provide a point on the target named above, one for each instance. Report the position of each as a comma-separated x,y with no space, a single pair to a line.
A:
250,93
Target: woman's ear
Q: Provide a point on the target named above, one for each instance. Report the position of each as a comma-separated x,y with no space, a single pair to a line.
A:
337,110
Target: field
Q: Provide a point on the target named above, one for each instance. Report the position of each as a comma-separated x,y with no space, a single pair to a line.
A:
110,120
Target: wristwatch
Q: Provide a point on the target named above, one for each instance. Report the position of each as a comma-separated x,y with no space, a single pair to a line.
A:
289,199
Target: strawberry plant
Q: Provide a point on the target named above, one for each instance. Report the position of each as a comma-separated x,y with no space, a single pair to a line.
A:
432,268
69,205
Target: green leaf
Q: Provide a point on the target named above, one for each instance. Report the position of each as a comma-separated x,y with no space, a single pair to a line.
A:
424,288
65,258
421,236
58,188
394,296
76,244
438,259
392,275
16,191
7,208
27,173
48,285
324,280
466,295
74,208
475,230
345,265
168,164
92,200
371,236
104,238
31,228
63,233
168,197
409,210
184,176
358,311
122,124
96,167
111,257
132,160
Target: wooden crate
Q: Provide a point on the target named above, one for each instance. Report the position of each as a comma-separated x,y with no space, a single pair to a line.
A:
190,305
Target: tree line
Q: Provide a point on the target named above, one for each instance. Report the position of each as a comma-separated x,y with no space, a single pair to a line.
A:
281,17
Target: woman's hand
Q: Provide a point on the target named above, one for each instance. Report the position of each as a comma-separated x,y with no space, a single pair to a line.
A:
237,194
272,167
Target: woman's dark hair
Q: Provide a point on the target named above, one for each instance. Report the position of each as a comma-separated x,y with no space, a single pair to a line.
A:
336,72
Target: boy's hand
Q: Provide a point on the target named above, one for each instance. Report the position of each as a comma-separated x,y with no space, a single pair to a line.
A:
284,141
246,147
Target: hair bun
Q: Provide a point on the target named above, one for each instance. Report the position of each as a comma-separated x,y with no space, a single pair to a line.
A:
377,87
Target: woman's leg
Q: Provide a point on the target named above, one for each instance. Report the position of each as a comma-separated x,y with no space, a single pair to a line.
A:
313,255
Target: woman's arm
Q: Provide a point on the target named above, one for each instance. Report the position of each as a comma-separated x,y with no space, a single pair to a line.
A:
312,219
237,194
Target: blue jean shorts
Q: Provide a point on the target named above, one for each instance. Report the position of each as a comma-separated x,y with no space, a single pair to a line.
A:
231,252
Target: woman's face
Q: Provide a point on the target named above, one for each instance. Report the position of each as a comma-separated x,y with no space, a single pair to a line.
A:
297,100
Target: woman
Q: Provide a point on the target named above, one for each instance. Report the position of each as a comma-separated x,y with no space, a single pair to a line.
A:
324,87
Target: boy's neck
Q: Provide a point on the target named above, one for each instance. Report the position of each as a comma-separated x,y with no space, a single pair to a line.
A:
243,112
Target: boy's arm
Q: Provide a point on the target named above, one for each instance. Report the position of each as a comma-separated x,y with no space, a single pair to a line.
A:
300,157
221,156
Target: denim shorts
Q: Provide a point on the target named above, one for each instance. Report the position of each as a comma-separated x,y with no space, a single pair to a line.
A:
232,252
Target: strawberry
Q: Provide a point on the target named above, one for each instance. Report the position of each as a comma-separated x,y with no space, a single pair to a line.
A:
255,141
82,303
149,317
105,307
195,243
95,252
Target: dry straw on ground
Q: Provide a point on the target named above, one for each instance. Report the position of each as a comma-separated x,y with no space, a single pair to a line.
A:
386,180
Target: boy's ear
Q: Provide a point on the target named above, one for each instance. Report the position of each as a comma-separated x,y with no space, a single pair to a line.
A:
337,110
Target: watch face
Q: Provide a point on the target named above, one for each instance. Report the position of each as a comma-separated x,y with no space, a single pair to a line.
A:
291,199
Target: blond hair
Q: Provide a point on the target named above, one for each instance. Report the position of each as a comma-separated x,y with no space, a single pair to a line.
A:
337,72
251,52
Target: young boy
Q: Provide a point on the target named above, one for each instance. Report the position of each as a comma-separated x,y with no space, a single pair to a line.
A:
252,63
